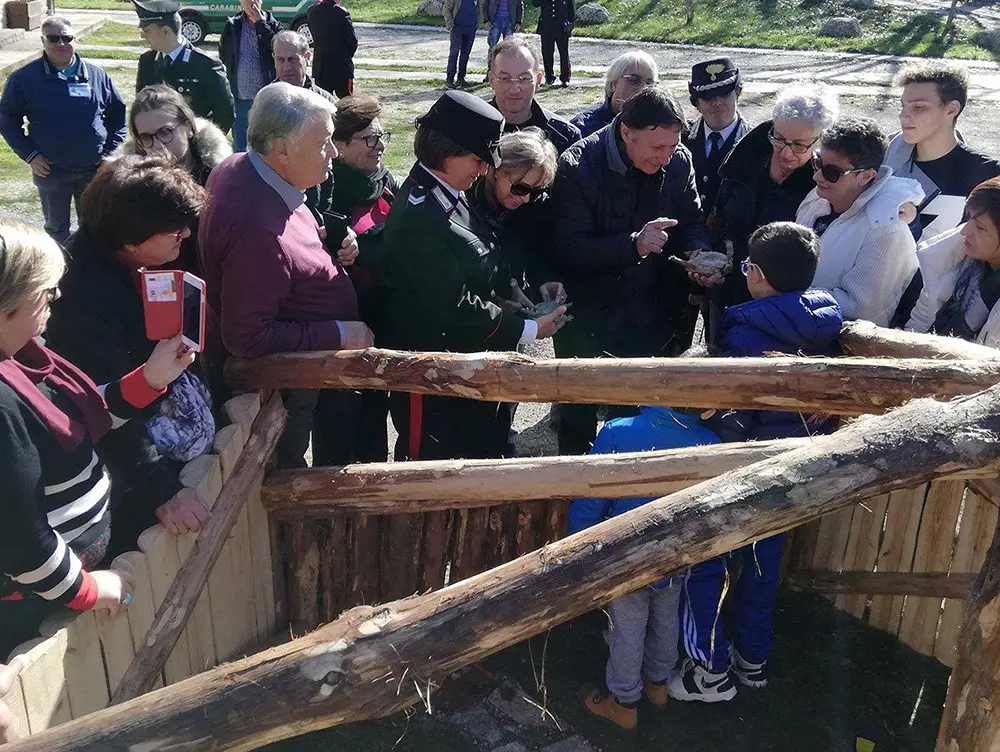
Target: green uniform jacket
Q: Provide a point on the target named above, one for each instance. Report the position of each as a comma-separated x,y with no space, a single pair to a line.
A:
440,265
198,77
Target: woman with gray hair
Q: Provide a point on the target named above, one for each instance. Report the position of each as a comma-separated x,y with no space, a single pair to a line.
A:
627,73
764,179
513,198
56,498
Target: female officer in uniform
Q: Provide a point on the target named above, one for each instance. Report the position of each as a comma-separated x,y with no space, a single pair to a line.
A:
441,264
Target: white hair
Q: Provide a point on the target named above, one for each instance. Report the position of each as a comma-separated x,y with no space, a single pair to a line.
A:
813,103
59,21
623,62
299,42
30,262
281,110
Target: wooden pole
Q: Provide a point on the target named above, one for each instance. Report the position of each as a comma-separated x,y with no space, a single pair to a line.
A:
935,584
842,386
375,660
970,721
865,339
426,486
172,615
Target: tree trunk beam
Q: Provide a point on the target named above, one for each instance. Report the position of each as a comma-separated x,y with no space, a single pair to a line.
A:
970,721
842,386
179,602
866,340
427,486
934,584
373,661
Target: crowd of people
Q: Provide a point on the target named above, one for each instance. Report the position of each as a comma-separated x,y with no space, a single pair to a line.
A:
641,220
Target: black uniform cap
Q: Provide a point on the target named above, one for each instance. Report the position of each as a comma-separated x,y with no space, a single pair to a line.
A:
713,78
155,11
468,121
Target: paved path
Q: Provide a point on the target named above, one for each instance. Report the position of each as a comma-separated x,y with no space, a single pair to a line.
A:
764,70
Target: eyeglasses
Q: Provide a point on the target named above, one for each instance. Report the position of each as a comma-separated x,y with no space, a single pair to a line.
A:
522,81
523,189
832,173
53,294
797,147
164,135
636,80
59,38
372,141
746,265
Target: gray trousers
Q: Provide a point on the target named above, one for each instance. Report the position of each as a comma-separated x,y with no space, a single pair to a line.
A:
642,638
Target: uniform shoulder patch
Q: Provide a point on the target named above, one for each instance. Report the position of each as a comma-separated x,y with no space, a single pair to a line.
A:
416,197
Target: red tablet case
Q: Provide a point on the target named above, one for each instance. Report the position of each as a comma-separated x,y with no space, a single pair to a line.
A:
162,302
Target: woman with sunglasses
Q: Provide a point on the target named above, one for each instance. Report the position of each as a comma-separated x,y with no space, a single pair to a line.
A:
513,198
764,179
961,274
54,535
627,73
867,253
136,213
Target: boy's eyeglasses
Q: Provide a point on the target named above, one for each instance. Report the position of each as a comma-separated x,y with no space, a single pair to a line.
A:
832,173
746,265
372,141
164,135
523,189
59,38
797,147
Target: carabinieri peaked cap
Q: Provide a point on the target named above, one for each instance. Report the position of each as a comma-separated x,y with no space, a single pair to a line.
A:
155,11
468,121
713,78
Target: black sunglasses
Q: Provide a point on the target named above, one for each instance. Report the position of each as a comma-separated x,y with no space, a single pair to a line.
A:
523,189
832,173
57,38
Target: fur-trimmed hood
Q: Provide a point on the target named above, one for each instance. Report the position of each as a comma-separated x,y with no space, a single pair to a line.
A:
210,146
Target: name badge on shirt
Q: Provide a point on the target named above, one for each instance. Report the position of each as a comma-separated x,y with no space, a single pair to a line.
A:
81,89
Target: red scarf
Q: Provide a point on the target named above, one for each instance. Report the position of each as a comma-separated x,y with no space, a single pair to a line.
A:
35,364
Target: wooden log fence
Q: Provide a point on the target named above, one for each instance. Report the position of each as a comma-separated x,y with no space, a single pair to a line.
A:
838,386
364,664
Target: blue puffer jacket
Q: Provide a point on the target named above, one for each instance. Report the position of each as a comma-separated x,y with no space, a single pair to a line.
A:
806,322
653,428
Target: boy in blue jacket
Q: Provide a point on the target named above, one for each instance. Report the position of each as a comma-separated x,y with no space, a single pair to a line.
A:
784,316
642,634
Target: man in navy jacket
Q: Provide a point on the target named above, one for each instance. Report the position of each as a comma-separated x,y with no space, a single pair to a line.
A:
75,115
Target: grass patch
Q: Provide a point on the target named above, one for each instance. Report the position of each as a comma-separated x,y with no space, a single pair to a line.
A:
782,24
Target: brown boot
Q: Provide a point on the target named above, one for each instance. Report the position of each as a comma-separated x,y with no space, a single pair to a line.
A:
656,693
605,706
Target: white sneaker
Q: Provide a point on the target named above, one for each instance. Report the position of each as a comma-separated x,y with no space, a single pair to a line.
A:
748,674
694,683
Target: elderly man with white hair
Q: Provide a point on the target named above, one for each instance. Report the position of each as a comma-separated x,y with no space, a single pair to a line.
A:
272,286
627,73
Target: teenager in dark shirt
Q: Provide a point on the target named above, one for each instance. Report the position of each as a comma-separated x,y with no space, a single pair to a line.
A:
929,148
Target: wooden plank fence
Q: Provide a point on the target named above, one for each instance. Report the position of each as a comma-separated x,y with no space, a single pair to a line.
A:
942,527
74,666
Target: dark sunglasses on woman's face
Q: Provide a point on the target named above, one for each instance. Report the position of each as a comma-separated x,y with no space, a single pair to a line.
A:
59,38
832,173
164,135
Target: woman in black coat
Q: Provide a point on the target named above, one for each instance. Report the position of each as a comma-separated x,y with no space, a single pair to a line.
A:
555,25
135,213
334,45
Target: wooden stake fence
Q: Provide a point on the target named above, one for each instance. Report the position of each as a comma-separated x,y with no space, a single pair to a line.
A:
376,660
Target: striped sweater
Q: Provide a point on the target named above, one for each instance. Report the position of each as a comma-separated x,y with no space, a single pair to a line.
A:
56,503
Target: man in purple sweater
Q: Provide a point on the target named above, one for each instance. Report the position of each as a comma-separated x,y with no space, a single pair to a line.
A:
272,287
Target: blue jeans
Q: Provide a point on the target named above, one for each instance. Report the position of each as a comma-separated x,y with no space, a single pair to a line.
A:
462,38
56,191
502,28
240,124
